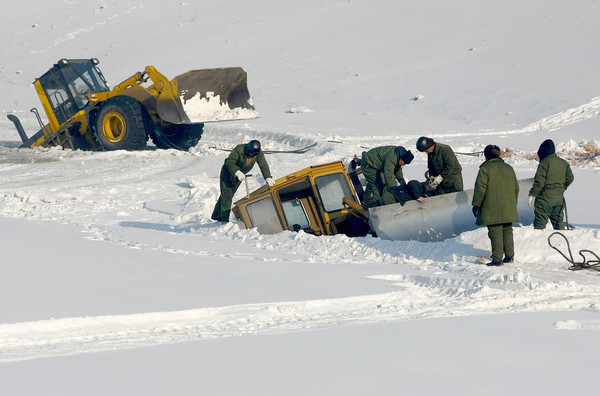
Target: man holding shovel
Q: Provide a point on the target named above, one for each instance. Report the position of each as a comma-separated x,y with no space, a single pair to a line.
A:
234,170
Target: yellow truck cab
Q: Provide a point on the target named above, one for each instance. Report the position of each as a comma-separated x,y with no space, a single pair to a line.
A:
310,200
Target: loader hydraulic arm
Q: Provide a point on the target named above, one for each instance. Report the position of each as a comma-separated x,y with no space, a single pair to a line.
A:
136,79
161,85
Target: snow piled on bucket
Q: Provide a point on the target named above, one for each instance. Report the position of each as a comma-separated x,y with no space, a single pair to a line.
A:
211,108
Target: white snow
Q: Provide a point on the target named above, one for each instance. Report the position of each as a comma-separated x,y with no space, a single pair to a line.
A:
210,108
114,280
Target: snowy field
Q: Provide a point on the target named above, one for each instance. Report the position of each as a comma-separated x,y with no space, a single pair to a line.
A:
114,280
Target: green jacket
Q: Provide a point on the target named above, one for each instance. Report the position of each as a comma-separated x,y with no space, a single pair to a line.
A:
442,161
237,160
385,160
553,176
496,192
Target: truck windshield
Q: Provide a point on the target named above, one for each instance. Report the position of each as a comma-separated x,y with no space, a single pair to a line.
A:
87,74
332,189
82,77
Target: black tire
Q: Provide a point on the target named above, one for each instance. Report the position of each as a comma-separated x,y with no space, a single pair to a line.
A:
120,125
79,141
178,136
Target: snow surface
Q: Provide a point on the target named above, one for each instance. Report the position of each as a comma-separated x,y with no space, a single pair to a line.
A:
114,280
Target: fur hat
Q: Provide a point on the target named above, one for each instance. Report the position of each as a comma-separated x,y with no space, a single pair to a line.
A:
404,155
415,188
491,151
546,148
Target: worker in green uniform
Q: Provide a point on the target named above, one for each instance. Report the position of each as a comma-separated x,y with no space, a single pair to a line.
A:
413,190
552,178
445,173
238,163
495,204
382,167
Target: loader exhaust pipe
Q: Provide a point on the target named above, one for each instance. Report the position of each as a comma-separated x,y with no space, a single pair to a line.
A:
19,126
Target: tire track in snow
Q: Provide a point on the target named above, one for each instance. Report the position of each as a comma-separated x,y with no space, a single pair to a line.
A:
419,298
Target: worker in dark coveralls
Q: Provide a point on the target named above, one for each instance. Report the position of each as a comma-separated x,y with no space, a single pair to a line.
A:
495,204
238,163
445,173
382,167
413,190
552,178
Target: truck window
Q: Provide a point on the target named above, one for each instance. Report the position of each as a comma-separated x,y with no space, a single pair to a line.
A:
60,100
295,213
332,188
264,217
78,87
91,76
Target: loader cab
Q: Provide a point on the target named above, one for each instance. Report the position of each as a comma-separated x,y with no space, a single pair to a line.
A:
64,88
308,200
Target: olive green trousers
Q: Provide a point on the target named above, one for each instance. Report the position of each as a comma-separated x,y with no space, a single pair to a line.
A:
228,186
501,237
375,184
548,205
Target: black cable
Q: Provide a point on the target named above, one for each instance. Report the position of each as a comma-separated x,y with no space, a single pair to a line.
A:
585,264
295,151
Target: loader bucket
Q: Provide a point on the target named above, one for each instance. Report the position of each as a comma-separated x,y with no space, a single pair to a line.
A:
207,95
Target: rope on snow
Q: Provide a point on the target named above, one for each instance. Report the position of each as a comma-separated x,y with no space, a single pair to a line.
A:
585,264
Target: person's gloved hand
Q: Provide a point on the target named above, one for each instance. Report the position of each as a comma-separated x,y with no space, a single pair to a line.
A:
436,181
476,210
270,181
240,175
531,201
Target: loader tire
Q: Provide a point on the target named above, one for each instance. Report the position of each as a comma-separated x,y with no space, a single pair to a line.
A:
79,142
120,125
178,136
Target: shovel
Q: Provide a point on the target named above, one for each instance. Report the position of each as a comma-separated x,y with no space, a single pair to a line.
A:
246,182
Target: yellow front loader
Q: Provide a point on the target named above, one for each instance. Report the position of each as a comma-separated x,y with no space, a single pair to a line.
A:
84,113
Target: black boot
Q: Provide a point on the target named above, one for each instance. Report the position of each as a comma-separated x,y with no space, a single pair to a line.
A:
495,263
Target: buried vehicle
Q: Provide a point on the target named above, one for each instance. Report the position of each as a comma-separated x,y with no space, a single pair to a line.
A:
84,113
325,200
309,200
